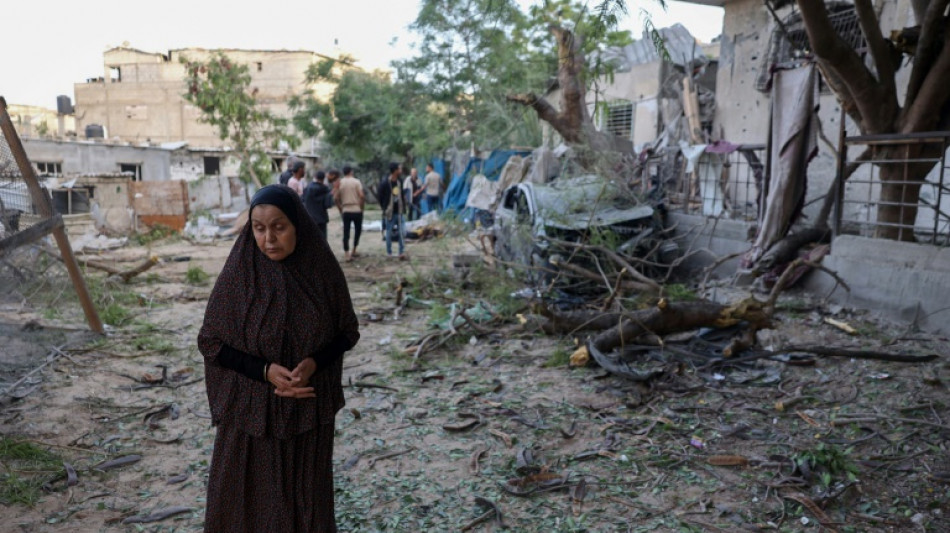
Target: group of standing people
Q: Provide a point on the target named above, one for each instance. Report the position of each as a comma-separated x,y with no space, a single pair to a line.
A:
400,201
415,190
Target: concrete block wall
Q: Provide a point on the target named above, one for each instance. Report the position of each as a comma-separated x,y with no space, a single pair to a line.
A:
902,281
907,281
710,238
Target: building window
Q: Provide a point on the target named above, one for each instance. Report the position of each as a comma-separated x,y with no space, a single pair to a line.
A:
619,119
49,168
115,74
790,45
276,163
132,168
260,66
212,166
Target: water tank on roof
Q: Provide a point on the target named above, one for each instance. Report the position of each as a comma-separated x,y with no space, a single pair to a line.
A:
95,131
64,106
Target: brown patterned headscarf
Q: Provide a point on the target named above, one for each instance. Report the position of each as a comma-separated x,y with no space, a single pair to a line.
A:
283,312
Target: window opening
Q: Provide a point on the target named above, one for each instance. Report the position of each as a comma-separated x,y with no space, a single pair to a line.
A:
132,168
49,168
620,119
212,165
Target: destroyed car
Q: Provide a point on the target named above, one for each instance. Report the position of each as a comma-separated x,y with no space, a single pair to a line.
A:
532,217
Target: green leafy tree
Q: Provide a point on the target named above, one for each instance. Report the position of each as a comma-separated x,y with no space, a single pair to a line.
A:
475,54
368,119
221,90
470,53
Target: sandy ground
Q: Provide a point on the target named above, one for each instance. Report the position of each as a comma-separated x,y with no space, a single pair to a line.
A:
432,445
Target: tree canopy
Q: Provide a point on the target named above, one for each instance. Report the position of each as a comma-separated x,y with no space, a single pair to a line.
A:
470,56
221,90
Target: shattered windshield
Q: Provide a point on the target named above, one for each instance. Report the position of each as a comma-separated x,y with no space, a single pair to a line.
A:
587,200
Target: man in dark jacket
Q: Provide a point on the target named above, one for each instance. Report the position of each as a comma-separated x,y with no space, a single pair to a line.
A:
317,198
392,204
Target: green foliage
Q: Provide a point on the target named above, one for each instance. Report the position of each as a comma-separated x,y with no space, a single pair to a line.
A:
114,314
679,292
559,357
25,468
369,119
154,233
828,462
474,53
152,343
221,90
604,236
470,56
196,275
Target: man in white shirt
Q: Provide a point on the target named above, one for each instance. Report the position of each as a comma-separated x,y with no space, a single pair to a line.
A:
433,187
296,181
350,200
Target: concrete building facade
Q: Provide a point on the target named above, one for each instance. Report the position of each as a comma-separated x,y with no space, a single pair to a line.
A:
749,37
139,98
35,121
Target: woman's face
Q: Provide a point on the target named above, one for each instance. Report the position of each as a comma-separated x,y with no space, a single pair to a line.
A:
276,237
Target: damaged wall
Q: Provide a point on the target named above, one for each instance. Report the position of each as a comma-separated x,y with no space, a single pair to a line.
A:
211,192
138,97
86,157
111,206
160,202
742,111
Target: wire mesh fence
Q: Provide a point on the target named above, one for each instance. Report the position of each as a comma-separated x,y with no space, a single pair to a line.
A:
899,191
720,184
32,271
17,211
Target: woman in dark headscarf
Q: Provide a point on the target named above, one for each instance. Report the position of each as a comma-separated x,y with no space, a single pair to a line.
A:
277,324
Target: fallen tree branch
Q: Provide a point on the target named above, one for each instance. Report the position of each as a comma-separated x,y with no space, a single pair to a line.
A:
861,418
787,274
587,274
672,317
647,284
125,275
831,351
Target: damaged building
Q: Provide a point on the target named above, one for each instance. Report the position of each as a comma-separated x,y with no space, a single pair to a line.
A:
138,97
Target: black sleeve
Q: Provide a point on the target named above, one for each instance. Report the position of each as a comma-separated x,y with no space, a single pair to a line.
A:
250,366
332,352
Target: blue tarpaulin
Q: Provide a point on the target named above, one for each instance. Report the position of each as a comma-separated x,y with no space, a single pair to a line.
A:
461,183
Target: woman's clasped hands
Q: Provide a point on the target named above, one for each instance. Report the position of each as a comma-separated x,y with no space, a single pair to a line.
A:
293,383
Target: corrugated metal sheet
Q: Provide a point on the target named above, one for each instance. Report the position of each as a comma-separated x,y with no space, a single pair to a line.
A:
679,43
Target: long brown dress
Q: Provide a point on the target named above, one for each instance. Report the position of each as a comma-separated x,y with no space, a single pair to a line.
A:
271,470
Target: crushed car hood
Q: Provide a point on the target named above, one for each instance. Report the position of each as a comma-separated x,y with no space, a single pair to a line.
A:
586,201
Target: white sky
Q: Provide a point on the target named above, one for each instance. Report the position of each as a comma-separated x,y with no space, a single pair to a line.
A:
48,45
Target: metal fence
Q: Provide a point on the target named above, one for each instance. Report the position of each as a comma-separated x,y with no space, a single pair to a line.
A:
919,205
17,211
729,184
26,216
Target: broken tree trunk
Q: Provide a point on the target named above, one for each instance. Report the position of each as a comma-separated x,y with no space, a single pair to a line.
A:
619,329
671,317
572,121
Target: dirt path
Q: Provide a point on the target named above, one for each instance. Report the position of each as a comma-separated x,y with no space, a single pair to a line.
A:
497,419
